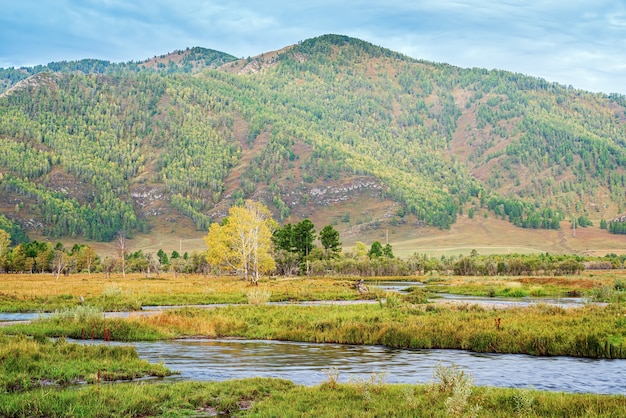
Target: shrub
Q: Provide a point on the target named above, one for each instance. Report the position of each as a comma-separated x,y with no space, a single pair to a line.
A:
81,314
258,296
459,385
332,377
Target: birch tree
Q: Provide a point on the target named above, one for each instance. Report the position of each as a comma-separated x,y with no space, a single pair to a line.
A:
243,242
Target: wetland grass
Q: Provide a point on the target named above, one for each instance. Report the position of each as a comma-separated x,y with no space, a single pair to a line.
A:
28,363
264,397
88,322
542,330
400,322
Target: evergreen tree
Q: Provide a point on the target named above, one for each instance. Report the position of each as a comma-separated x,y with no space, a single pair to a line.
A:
329,237
376,250
304,235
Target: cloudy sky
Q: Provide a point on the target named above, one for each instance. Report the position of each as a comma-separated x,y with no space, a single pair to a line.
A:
574,42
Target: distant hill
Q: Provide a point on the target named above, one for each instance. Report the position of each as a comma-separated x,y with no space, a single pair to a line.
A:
333,127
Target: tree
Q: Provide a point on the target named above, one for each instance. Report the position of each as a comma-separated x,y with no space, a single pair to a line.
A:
59,262
376,250
108,265
122,248
388,251
163,259
360,249
329,238
177,265
5,241
243,242
283,238
87,257
304,235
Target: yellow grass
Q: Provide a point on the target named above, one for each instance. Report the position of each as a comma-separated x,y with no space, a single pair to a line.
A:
167,287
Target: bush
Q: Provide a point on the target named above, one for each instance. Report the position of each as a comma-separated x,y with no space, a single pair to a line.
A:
258,296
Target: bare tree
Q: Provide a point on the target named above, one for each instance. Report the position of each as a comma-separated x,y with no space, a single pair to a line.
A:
122,248
59,262
107,266
153,265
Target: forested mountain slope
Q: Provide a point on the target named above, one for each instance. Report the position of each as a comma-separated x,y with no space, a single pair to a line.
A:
89,151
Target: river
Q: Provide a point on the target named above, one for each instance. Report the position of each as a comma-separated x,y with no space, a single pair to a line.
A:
304,363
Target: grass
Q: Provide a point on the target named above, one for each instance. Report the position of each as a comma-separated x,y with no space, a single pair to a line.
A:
273,397
400,321
536,286
543,330
28,363
85,322
257,296
35,293
42,293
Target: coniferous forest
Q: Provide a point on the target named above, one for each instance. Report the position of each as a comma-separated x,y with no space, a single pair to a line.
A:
91,148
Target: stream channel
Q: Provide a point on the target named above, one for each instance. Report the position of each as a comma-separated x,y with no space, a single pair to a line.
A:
305,363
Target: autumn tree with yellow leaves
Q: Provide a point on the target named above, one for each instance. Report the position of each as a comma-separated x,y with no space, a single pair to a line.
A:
243,242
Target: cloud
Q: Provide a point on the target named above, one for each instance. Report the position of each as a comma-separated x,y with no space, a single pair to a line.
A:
573,42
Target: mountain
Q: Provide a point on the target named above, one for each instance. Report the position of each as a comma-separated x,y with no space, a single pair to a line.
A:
332,127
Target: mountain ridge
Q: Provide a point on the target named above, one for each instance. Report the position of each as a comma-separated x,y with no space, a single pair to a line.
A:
295,126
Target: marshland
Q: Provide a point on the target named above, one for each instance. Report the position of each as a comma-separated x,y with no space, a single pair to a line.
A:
66,357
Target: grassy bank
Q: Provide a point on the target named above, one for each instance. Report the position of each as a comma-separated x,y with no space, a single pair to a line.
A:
35,293
543,330
592,331
586,285
28,363
88,322
271,398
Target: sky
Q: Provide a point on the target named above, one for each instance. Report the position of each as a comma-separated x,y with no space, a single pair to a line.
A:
573,42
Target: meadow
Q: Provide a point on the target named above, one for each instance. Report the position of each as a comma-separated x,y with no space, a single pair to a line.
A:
44,377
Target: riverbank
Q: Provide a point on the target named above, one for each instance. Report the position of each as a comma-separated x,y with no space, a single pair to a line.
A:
451,394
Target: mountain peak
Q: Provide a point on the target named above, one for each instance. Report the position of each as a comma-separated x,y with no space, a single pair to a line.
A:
189,60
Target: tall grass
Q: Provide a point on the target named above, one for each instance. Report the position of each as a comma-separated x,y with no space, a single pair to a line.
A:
83,313
543,330
88,322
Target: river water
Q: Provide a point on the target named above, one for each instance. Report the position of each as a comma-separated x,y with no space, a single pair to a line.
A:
304,363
